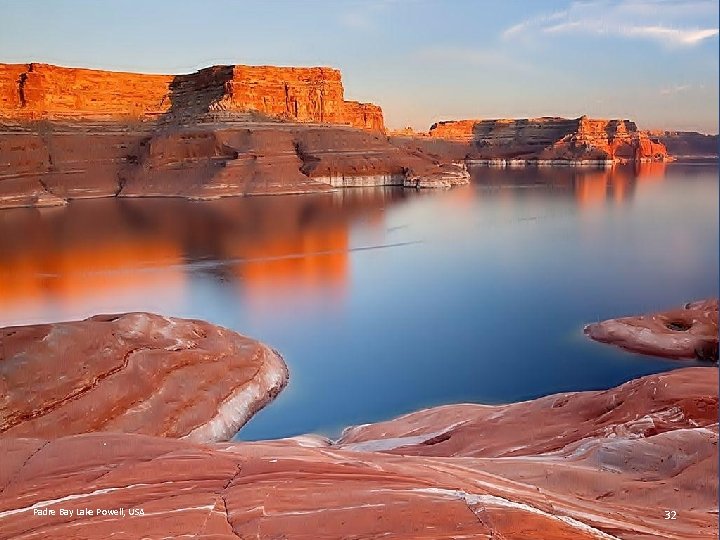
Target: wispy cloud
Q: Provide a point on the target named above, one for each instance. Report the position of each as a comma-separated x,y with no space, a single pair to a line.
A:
668,22
673,35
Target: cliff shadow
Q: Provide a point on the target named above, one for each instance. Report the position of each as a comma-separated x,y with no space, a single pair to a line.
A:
194,95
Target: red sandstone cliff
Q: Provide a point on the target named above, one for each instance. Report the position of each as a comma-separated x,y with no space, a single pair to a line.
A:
222,131
42,91
552,138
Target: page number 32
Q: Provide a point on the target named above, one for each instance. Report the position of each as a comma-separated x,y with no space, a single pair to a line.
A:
670,514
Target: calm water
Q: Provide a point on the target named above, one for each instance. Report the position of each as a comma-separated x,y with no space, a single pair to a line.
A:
384,301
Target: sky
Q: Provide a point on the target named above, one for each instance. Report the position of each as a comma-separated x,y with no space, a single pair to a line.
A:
652,61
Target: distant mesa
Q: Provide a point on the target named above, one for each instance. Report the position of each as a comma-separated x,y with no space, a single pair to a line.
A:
688,144
553,138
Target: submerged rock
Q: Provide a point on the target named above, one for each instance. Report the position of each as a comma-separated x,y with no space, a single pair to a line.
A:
687,332
133,373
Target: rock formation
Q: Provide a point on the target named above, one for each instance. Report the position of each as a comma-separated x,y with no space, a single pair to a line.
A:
41,91
69,133
551,138
590,465
133,373
688,144
687,332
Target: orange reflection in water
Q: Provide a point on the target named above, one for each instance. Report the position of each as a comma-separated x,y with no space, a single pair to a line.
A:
618,183
66,277
650,172
304,264
591,189
122,255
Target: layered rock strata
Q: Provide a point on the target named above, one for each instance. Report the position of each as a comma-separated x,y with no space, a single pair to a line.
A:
591,465
552,139
223,131
689,332
688,144
205,161
133,373
41,91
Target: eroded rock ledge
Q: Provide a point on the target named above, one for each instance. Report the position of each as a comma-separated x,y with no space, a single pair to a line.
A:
133,373
589,465
689,332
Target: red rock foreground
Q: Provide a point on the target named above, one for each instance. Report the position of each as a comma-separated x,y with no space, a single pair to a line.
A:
687,332
133,373
589,465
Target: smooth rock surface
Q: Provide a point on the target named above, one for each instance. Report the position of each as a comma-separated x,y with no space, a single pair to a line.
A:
592,465
133,373
689,332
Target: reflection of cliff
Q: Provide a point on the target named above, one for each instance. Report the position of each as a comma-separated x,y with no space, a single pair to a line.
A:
596,187
294,245
589,187
308,262
62,259
650,172
618,183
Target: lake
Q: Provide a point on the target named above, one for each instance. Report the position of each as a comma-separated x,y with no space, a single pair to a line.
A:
383,300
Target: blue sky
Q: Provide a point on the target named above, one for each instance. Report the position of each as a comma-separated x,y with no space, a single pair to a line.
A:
654,61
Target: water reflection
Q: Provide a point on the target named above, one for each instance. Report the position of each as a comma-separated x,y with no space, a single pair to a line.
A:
412,298
589,187
56,262
64,262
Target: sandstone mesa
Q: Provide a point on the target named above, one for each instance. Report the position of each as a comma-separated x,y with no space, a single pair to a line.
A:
551,139
69,133
73,133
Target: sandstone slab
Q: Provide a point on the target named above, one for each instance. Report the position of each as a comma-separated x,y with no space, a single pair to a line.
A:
464,471
133,373
690,332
